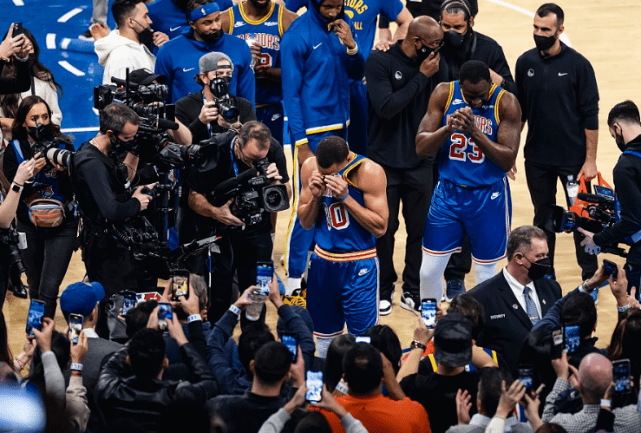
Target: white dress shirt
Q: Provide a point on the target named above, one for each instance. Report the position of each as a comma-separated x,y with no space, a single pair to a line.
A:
517,289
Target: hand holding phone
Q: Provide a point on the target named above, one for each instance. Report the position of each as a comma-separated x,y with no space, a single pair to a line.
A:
428,312
129,301
557,343
75,327
621,376
571,338
526,374
314,385
290,341
610,268
165,313
180,284
35,316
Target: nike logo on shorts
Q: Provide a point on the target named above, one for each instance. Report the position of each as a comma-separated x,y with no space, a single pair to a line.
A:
362,272
495,195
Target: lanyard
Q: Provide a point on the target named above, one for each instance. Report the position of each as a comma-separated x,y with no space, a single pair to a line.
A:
233,158
209,131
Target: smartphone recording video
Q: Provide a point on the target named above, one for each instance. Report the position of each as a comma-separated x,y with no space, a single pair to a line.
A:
180,284
621,376
129,301
557,343
526,372
264,275
314,384
610,268
164,314
289,340
428,312
34,319
571,338
75,327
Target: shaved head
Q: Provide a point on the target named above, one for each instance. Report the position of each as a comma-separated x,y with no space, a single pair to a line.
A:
425,27
595,375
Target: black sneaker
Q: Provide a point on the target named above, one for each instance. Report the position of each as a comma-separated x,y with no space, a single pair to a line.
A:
86,36
384,307
453,288
411,302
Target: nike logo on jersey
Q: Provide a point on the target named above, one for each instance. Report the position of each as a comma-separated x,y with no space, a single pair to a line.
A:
457,102
187,70
173,29
495,195
316,46
270,23
239,24
363,272
562,74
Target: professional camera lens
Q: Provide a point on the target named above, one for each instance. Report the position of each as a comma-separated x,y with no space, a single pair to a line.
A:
275,198
59,156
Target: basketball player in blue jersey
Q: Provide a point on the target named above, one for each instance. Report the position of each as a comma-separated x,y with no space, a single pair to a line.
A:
476,126
263,21
344,199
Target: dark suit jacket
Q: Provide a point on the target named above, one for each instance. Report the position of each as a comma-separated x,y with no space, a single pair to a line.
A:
506,322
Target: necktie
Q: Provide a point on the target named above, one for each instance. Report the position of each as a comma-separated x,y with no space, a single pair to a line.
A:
530,306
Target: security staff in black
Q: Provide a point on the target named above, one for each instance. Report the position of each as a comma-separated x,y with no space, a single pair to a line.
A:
100,185
431,8
625,128
241,246
400,82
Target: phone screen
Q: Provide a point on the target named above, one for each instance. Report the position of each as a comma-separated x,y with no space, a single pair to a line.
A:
34,319
363,339
610,268
75,327
128,302
180,285
164,314
621,375
428,312
264,275
525,375
314,384
571,338
557,343
290,342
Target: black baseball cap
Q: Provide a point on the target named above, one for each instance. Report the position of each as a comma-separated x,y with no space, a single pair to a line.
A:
453,340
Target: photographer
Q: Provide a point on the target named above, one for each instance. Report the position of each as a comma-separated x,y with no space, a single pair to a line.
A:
625,128
243,245
102,186
50,240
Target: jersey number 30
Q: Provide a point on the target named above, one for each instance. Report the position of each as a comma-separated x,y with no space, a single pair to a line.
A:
463,147
336,216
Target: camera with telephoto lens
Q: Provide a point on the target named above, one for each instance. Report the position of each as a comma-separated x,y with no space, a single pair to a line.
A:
253,194
49,146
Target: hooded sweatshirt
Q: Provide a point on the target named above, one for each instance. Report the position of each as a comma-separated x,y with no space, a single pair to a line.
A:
117,53
315,72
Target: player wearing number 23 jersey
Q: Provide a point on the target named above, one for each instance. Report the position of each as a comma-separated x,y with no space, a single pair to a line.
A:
476,126
344,199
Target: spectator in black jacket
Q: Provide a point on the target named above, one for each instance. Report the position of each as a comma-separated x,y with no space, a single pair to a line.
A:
143,396
272,368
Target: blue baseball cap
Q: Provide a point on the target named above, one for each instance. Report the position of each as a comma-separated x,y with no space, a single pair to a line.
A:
81,298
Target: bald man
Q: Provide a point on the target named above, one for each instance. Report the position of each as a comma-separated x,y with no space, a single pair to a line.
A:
594,377
399,85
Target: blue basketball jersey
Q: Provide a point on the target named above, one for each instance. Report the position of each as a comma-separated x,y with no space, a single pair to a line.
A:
462,162
268,31
336,231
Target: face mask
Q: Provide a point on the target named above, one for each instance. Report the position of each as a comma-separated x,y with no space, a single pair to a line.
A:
219,86
538,269
544,43
619,141
146,35
119,145
40,132
423,52
31,61
453,38
211,38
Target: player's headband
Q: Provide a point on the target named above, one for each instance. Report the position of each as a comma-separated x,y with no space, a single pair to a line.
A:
203,11
460,3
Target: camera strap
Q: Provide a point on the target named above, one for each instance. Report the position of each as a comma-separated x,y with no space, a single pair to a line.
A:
209,129
233,157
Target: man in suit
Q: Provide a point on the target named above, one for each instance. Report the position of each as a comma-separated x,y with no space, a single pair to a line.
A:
519,296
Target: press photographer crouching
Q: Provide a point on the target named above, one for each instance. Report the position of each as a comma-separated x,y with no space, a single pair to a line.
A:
246,181
625,128
104,191
47,212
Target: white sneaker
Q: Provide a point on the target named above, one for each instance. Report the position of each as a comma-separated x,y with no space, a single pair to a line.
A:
409,303
385,307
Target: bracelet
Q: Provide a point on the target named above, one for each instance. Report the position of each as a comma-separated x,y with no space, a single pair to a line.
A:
606,403
194,317
353,51
75,367
417,344
624,308
234,309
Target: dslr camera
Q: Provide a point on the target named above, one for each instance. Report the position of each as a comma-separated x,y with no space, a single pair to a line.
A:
48,146
226,106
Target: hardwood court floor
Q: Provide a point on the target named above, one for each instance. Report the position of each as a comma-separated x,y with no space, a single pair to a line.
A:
605,32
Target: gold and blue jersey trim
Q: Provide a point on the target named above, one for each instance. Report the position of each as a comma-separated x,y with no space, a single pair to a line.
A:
345,257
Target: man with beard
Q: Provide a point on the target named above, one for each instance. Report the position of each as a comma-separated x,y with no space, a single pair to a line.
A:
319,55
178,58
559,99
262,23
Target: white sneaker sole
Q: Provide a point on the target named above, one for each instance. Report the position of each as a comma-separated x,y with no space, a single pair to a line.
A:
408,308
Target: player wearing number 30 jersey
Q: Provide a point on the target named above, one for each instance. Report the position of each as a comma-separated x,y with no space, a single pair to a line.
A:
476,126
344,198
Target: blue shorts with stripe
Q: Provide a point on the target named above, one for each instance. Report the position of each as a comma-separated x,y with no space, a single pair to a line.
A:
273,117
340,292
483,213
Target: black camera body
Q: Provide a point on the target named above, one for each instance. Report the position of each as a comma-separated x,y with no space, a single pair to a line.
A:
227,109
48,146
10,238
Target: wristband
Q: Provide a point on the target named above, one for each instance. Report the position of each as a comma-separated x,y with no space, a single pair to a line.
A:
417,344
352,52
234,309
75,367
341,200
624,308
17,187
606,403
194,317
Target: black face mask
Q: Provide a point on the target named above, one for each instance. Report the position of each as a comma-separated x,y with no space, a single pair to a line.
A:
211,38
619,141
146,35
40,132
31,61
219,86
538,269
544,43
423,52
454,39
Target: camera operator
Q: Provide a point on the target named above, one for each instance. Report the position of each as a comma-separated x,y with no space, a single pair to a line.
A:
102,186
50,243
625,128
243,245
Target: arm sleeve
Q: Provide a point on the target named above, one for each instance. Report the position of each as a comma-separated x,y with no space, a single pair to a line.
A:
276,422
552,318
296,325
98,183
383,23
292,58
77,404
197,337
187,112
588,96
246,77
222,332
20,83
54,380
384,100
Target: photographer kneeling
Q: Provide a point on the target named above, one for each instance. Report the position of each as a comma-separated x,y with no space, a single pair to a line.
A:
246,232
46,213
625,128
103,189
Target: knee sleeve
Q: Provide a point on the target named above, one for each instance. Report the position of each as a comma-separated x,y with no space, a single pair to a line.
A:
322,344
432,268
484,271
